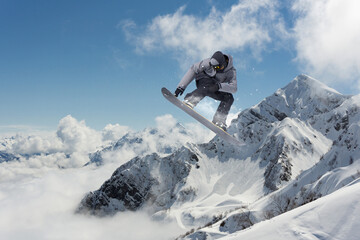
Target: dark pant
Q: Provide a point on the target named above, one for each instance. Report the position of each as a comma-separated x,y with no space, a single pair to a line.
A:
205,88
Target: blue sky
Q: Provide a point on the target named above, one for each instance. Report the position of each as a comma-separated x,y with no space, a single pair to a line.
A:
106,61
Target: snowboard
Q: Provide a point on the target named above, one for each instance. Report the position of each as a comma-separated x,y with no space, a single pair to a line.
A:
217,130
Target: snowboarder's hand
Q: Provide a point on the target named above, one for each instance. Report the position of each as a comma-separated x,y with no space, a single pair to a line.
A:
178,91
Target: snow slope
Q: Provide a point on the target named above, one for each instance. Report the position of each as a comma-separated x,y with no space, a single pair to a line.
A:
338,124
336,216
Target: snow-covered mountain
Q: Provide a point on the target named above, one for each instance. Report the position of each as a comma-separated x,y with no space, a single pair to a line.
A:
160,140
5,144
302,143
7,157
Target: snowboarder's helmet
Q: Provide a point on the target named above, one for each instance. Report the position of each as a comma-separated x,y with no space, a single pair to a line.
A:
218,60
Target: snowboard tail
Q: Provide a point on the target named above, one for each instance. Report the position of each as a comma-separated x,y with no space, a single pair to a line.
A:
217,130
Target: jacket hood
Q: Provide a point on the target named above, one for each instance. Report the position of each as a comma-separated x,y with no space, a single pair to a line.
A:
230,63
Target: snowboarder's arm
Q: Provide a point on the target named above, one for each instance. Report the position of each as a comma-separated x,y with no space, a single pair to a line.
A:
203,67
186,80
231,85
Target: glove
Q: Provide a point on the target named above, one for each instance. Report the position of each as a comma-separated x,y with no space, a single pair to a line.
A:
178,91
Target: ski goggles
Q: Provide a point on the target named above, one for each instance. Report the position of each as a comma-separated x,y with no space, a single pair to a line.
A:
215,64
219,67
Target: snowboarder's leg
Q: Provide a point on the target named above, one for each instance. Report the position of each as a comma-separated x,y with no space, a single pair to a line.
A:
193,98
226,100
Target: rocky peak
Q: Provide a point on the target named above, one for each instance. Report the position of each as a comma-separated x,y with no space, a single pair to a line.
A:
151,179
302,98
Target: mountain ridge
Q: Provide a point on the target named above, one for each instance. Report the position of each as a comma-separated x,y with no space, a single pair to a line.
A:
294,138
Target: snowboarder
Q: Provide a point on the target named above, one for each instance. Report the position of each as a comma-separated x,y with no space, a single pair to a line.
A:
215,78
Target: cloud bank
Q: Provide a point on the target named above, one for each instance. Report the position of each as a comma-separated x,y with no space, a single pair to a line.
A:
327,35
43,206
40,192
247,24
68,147
71,144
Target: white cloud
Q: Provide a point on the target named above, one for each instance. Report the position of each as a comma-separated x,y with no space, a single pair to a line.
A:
70,146
327,36
42,207
247,24
165,122
36,144
113,132
76,136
